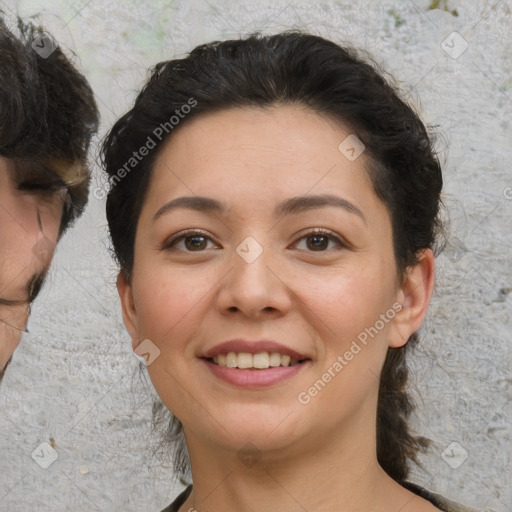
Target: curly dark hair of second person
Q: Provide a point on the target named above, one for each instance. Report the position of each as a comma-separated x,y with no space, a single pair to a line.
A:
48,116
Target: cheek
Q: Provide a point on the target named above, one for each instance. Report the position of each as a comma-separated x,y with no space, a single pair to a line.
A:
33,249
51,216
10,340
171,306
20,257
345,313
168,300
347,300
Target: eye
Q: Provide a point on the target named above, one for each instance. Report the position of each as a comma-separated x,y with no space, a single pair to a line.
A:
194,241
197,241
320,239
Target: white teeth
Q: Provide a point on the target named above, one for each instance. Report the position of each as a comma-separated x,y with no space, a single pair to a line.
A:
261,360
275,359
244,360
231,360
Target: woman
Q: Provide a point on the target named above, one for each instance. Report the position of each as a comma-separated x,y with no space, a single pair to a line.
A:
274,212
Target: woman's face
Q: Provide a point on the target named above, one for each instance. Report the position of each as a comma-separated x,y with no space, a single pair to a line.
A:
29,229
257,271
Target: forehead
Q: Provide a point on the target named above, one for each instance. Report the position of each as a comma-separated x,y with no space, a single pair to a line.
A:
288,149
290,131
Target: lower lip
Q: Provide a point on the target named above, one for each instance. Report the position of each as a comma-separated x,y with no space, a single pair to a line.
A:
255,378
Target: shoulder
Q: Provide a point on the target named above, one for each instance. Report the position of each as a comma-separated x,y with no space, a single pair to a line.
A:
176,504
439,501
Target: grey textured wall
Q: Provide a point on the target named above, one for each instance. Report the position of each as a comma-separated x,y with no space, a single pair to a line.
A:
74,379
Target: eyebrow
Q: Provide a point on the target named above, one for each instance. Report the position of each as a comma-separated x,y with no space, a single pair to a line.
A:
290,206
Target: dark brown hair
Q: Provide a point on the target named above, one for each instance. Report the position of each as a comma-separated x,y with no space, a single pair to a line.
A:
338,82
48,116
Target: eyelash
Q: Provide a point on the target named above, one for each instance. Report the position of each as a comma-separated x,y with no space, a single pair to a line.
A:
191,233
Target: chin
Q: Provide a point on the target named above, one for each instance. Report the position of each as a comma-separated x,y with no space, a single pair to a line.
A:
267,429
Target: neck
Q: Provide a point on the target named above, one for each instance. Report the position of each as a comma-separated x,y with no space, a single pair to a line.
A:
342,474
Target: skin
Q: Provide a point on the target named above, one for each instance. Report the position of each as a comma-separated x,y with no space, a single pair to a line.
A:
29,230
317,301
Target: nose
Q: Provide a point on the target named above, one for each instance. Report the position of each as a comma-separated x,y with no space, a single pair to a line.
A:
255,287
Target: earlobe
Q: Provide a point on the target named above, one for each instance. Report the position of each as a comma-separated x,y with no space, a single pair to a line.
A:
414,295
128,309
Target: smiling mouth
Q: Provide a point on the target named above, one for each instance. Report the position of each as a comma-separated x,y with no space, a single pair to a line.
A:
259,361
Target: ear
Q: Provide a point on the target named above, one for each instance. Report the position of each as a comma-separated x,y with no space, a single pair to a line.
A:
414,297
124,289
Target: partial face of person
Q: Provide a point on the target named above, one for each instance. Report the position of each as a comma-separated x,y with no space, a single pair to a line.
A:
292,246
29,230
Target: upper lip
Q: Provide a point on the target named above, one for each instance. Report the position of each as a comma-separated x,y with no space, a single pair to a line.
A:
253,347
